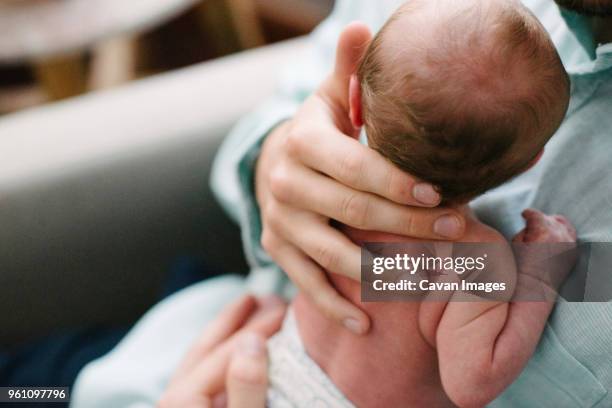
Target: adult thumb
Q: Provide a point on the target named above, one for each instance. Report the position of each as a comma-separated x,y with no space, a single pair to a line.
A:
247,377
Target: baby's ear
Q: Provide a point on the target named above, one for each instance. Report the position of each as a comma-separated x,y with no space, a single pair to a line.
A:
352,44
355,103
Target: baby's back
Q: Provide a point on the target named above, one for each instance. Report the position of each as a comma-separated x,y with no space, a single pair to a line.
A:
395,364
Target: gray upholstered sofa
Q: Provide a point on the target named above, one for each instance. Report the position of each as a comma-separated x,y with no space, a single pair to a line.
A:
99,194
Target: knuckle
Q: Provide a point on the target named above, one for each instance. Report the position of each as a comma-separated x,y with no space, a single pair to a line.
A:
248,374
323,304
408,225
351,168
355,210
398,184
280,183
273,221
295,140
268,211
268,242
266,214
327,257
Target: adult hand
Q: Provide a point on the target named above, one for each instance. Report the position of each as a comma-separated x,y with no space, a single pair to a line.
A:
313,169
227,366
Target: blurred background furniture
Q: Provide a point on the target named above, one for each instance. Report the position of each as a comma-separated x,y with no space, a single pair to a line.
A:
299,14
55,49
53,34
100,193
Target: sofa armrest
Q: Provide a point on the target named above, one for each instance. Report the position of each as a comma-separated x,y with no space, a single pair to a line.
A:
100,193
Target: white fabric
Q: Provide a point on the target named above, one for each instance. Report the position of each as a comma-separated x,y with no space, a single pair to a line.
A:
295,379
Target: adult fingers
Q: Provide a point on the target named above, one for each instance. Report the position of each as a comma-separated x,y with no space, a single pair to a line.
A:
313,283
325,245
227,323
364,210
203,385
247,378
346,160
208,377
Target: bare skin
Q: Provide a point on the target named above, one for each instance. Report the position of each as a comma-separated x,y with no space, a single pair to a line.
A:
309,172
283,162
228,364
432,353
414,354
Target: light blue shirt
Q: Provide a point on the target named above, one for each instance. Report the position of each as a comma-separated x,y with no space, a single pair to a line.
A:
572,366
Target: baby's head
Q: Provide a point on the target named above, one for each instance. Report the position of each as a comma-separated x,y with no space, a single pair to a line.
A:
461,94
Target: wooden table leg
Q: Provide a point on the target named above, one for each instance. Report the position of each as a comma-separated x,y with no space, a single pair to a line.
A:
16,98
113,63
232,24
246,23
62,77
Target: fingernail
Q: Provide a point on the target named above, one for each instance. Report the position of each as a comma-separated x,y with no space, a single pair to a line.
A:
426,194
252,345
353,325
448,226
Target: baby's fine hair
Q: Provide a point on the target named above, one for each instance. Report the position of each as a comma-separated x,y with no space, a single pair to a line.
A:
462,94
